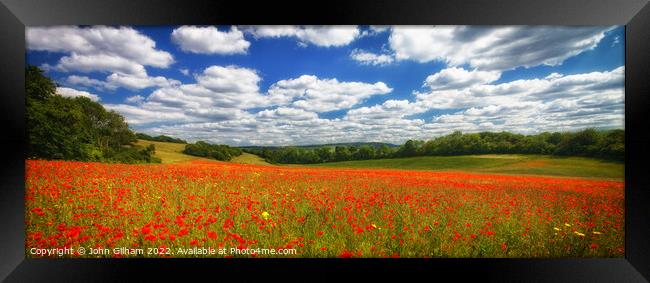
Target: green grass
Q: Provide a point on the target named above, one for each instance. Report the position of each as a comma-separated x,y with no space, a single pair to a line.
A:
494,163
247,158
488,163
171,152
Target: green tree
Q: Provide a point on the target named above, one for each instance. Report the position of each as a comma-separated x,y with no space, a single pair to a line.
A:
75,128
410,148
324,154
383,152
365,152
342,153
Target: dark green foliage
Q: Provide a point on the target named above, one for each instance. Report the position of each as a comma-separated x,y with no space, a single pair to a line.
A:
587,143
215,151
161,138
364,152
38,86
136,154
75,128
342,153
324,154
410,148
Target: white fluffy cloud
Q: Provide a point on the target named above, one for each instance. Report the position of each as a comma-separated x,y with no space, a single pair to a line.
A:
210,40
88,82
552,87
225,93
96,48
135,99
123,52
115,80
148,113
139,82
369,58
225,104
324,36
286,113
389,112
70,92
493,48
454,78
230,79
219,94
322,95
555,103
99,63
228,87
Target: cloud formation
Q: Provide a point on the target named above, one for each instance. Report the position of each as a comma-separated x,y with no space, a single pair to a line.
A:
70,92
99,48
233,104
493,48
323,36
322,95
209,40
225,93
369,58
555,103
123,52
455,78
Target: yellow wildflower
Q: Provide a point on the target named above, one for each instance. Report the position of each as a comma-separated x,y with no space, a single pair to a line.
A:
556,229
579,234
567,224
597,233
265,215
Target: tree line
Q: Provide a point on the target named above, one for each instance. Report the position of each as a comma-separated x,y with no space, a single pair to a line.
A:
587,143
301,155
76,128
216,151
160,138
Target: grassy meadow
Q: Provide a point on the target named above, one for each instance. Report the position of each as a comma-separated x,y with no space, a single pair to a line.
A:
171,153
517,164
498,164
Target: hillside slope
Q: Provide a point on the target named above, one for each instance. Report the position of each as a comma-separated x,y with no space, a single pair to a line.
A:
495,163
173,153
247,158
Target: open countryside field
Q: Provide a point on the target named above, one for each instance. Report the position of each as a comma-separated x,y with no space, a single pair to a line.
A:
170,152
173,153
247,158
487,163
495,163
330,212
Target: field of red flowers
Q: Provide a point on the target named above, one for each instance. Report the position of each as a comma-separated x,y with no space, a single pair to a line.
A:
319,212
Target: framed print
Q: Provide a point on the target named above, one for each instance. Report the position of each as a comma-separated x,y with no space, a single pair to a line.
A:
505,138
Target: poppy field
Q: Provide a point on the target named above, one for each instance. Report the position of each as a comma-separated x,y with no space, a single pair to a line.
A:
319,212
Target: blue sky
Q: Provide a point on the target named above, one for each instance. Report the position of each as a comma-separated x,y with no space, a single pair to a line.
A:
302,85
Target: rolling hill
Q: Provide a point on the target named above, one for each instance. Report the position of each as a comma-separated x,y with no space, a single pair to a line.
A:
497,163
487,163
173,153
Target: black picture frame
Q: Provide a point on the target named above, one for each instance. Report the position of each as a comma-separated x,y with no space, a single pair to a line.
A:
635,15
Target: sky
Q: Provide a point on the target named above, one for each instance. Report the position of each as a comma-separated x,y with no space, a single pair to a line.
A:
298,85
